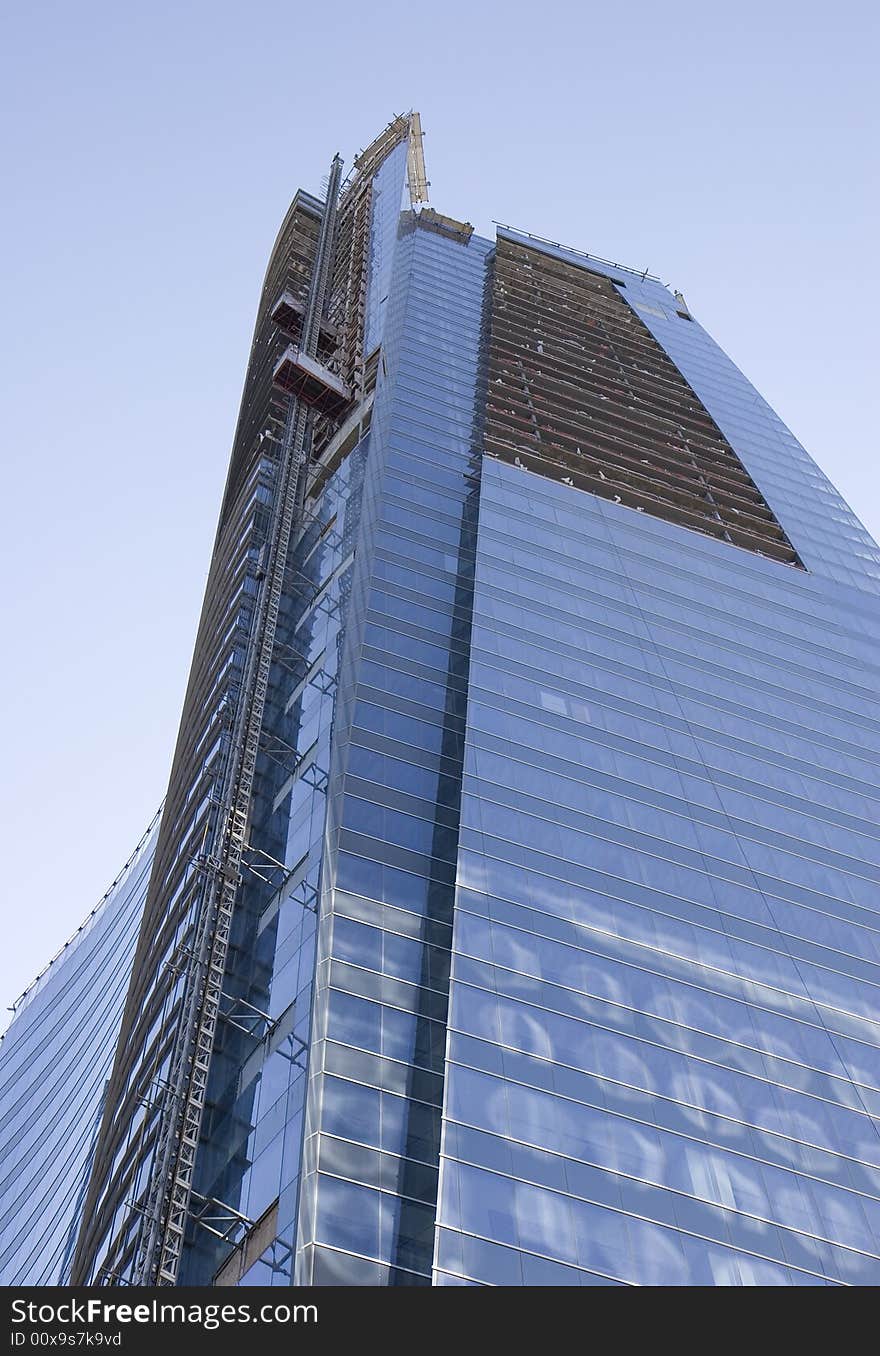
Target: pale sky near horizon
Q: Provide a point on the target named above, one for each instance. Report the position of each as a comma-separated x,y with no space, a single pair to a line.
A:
149,154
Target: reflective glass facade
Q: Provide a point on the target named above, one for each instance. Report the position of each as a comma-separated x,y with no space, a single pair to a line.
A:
254,1144
554,960
379,1036
663,1029
663,1037
55,1060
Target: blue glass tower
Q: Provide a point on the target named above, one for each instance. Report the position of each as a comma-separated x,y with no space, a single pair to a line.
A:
55,1059
532,938
662,1057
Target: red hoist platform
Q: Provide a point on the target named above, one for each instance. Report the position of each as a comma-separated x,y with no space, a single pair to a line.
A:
311,382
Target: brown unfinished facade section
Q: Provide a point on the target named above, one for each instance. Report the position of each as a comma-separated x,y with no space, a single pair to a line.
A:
580,391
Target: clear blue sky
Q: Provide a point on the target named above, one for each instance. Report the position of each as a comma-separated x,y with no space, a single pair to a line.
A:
149,153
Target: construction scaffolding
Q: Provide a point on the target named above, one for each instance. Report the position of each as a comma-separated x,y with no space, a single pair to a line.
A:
306,403
348,290
167,1208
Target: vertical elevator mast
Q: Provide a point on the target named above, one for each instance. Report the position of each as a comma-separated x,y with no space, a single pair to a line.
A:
171,1176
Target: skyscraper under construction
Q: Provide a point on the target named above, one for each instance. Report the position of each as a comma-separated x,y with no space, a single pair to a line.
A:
513,917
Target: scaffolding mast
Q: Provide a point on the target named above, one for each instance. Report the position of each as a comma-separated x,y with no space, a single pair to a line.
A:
169,1192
